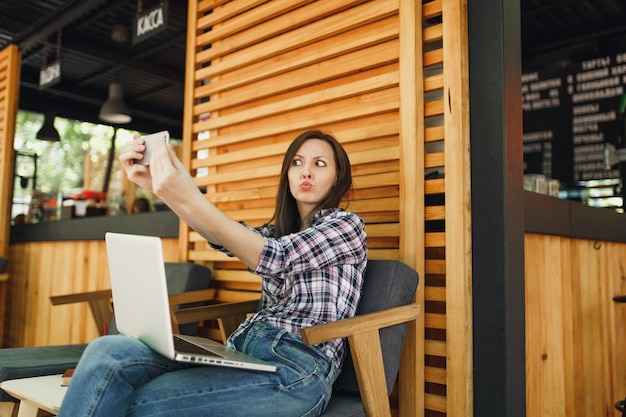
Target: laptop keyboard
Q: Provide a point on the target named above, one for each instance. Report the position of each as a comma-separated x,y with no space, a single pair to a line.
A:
182,345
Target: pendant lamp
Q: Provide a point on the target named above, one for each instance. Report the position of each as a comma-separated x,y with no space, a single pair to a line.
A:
115,110
48,131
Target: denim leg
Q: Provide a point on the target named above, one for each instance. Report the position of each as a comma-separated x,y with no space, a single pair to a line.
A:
301,386
119,376
109,371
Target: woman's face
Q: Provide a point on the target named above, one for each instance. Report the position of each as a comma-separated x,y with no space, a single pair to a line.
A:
312,173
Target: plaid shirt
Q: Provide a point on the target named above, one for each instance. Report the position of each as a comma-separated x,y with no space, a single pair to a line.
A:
313,276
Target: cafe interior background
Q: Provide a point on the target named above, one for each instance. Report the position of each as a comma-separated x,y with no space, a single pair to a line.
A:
77,53
570,121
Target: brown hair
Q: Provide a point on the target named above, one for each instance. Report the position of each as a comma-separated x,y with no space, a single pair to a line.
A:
286,216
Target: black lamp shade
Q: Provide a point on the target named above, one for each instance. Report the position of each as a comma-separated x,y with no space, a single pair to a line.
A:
48,131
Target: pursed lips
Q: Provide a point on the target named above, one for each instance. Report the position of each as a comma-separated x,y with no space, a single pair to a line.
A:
306,186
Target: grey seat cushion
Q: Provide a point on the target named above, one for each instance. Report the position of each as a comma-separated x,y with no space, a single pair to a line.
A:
35,361
386,284
344,405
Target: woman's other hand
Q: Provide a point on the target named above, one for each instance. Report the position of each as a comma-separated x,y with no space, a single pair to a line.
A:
137,173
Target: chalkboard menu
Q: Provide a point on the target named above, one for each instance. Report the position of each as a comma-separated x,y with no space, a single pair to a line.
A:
571,110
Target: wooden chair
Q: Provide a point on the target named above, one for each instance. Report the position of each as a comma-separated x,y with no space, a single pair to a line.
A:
187,285
375,336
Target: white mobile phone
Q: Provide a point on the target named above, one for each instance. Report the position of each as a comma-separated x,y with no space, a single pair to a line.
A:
150,141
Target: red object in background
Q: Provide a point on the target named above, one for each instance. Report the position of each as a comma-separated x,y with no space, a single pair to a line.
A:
96,195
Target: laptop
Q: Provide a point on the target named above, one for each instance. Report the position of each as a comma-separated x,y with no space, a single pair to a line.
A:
142,311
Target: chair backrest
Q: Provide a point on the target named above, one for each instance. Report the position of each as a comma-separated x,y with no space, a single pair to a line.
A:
386,284
182,277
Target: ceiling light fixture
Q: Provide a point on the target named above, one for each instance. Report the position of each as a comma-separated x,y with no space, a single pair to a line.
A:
119,33
115,110
48,132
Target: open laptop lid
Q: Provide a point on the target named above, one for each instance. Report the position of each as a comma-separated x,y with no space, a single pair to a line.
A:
139,288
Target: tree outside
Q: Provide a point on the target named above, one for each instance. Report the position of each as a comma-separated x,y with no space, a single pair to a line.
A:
78,161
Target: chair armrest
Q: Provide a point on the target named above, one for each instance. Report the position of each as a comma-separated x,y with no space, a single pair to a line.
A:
360,324
364,339
178,300
228,315
80,297
99,304
192,297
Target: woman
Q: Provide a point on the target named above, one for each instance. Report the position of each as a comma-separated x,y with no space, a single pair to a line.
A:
311,261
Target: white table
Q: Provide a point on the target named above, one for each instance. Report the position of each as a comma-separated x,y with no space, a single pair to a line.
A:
35,394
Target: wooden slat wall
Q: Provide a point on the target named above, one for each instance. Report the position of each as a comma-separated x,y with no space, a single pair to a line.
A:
10,61
457,208
275,70
39,270
575,333
372,73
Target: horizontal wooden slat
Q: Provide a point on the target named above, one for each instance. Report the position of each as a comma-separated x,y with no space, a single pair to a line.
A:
431,9
434,213
393,254
434,293
433,33
433,108
432,134
435,321
435,186
433,82
435,348
432,58
375,155
435,239
389,229
244,194
435,403
435,266
377,180
226,12
435,375
227,296
434,160
378,204
235,275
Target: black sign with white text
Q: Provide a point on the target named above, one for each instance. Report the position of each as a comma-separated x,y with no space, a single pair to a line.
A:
151,22
571,110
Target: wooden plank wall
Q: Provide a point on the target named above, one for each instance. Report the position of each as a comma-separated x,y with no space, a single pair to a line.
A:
575,333
10,64
372,73
39,270
10,61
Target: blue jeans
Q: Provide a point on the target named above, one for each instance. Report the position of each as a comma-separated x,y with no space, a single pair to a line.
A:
120,376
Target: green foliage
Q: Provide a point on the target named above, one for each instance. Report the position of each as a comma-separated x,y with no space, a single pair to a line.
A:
60,165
